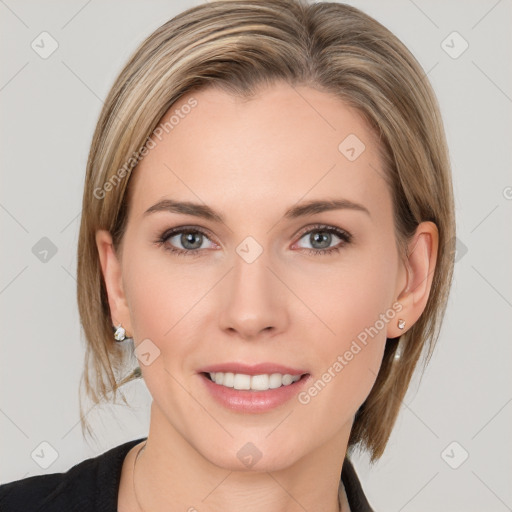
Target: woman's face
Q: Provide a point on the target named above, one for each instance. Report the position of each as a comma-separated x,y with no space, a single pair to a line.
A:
313,290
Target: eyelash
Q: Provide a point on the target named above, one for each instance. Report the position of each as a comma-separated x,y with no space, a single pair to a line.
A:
340,233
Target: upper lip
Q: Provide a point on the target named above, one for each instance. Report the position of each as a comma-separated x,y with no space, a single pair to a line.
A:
251,369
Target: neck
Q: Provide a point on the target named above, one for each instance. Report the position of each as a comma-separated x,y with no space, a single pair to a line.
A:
170,474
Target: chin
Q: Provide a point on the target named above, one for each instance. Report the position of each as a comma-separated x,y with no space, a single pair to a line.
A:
251,456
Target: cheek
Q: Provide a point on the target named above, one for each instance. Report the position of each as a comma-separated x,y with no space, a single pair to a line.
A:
356,306
160,291
167,301
350,296
164,303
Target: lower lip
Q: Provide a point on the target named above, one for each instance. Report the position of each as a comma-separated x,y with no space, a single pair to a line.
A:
253,401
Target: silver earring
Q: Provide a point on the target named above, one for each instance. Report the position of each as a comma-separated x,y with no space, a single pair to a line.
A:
398,352
120,334
401,324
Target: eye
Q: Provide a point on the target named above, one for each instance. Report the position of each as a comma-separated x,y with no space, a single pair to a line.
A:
191,240
321,238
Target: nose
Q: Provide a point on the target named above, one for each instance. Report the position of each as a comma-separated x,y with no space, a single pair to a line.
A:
254,300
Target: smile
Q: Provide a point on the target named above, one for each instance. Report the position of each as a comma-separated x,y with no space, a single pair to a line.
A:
261,382
257,393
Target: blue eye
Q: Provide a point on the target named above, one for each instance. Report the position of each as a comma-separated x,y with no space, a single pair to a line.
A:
192,240
323,236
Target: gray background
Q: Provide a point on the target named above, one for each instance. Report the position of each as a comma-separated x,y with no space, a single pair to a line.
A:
49,110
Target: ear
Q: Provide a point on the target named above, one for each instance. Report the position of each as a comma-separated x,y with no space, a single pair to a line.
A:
111,269
418,272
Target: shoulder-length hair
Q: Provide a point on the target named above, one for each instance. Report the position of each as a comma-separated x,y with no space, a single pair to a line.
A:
238,46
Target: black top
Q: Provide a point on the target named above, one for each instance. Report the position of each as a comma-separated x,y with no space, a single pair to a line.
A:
93,485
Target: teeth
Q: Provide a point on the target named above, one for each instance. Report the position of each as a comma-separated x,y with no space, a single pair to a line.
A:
254,382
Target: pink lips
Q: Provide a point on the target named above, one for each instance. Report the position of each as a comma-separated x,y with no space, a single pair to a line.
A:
251,401
255,369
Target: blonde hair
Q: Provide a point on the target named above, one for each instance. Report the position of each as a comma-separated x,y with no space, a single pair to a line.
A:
238,46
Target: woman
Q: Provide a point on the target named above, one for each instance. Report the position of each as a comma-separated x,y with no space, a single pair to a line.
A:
268,217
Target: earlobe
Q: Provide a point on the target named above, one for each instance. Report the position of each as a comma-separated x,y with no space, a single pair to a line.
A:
112,276
419,269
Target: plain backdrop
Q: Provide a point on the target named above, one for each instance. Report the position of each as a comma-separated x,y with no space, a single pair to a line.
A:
450,450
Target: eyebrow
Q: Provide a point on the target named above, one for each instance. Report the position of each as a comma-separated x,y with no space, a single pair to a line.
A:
301,210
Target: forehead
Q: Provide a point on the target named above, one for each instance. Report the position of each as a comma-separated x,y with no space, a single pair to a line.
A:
283,144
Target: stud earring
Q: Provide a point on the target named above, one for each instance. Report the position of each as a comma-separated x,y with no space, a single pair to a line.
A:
120,334
401,324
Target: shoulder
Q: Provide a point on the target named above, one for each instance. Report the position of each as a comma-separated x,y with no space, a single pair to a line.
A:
94,480
355,494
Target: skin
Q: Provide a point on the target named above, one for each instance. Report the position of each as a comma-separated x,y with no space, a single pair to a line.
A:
250,160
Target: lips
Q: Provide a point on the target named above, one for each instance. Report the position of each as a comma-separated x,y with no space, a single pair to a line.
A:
253,401
252,369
